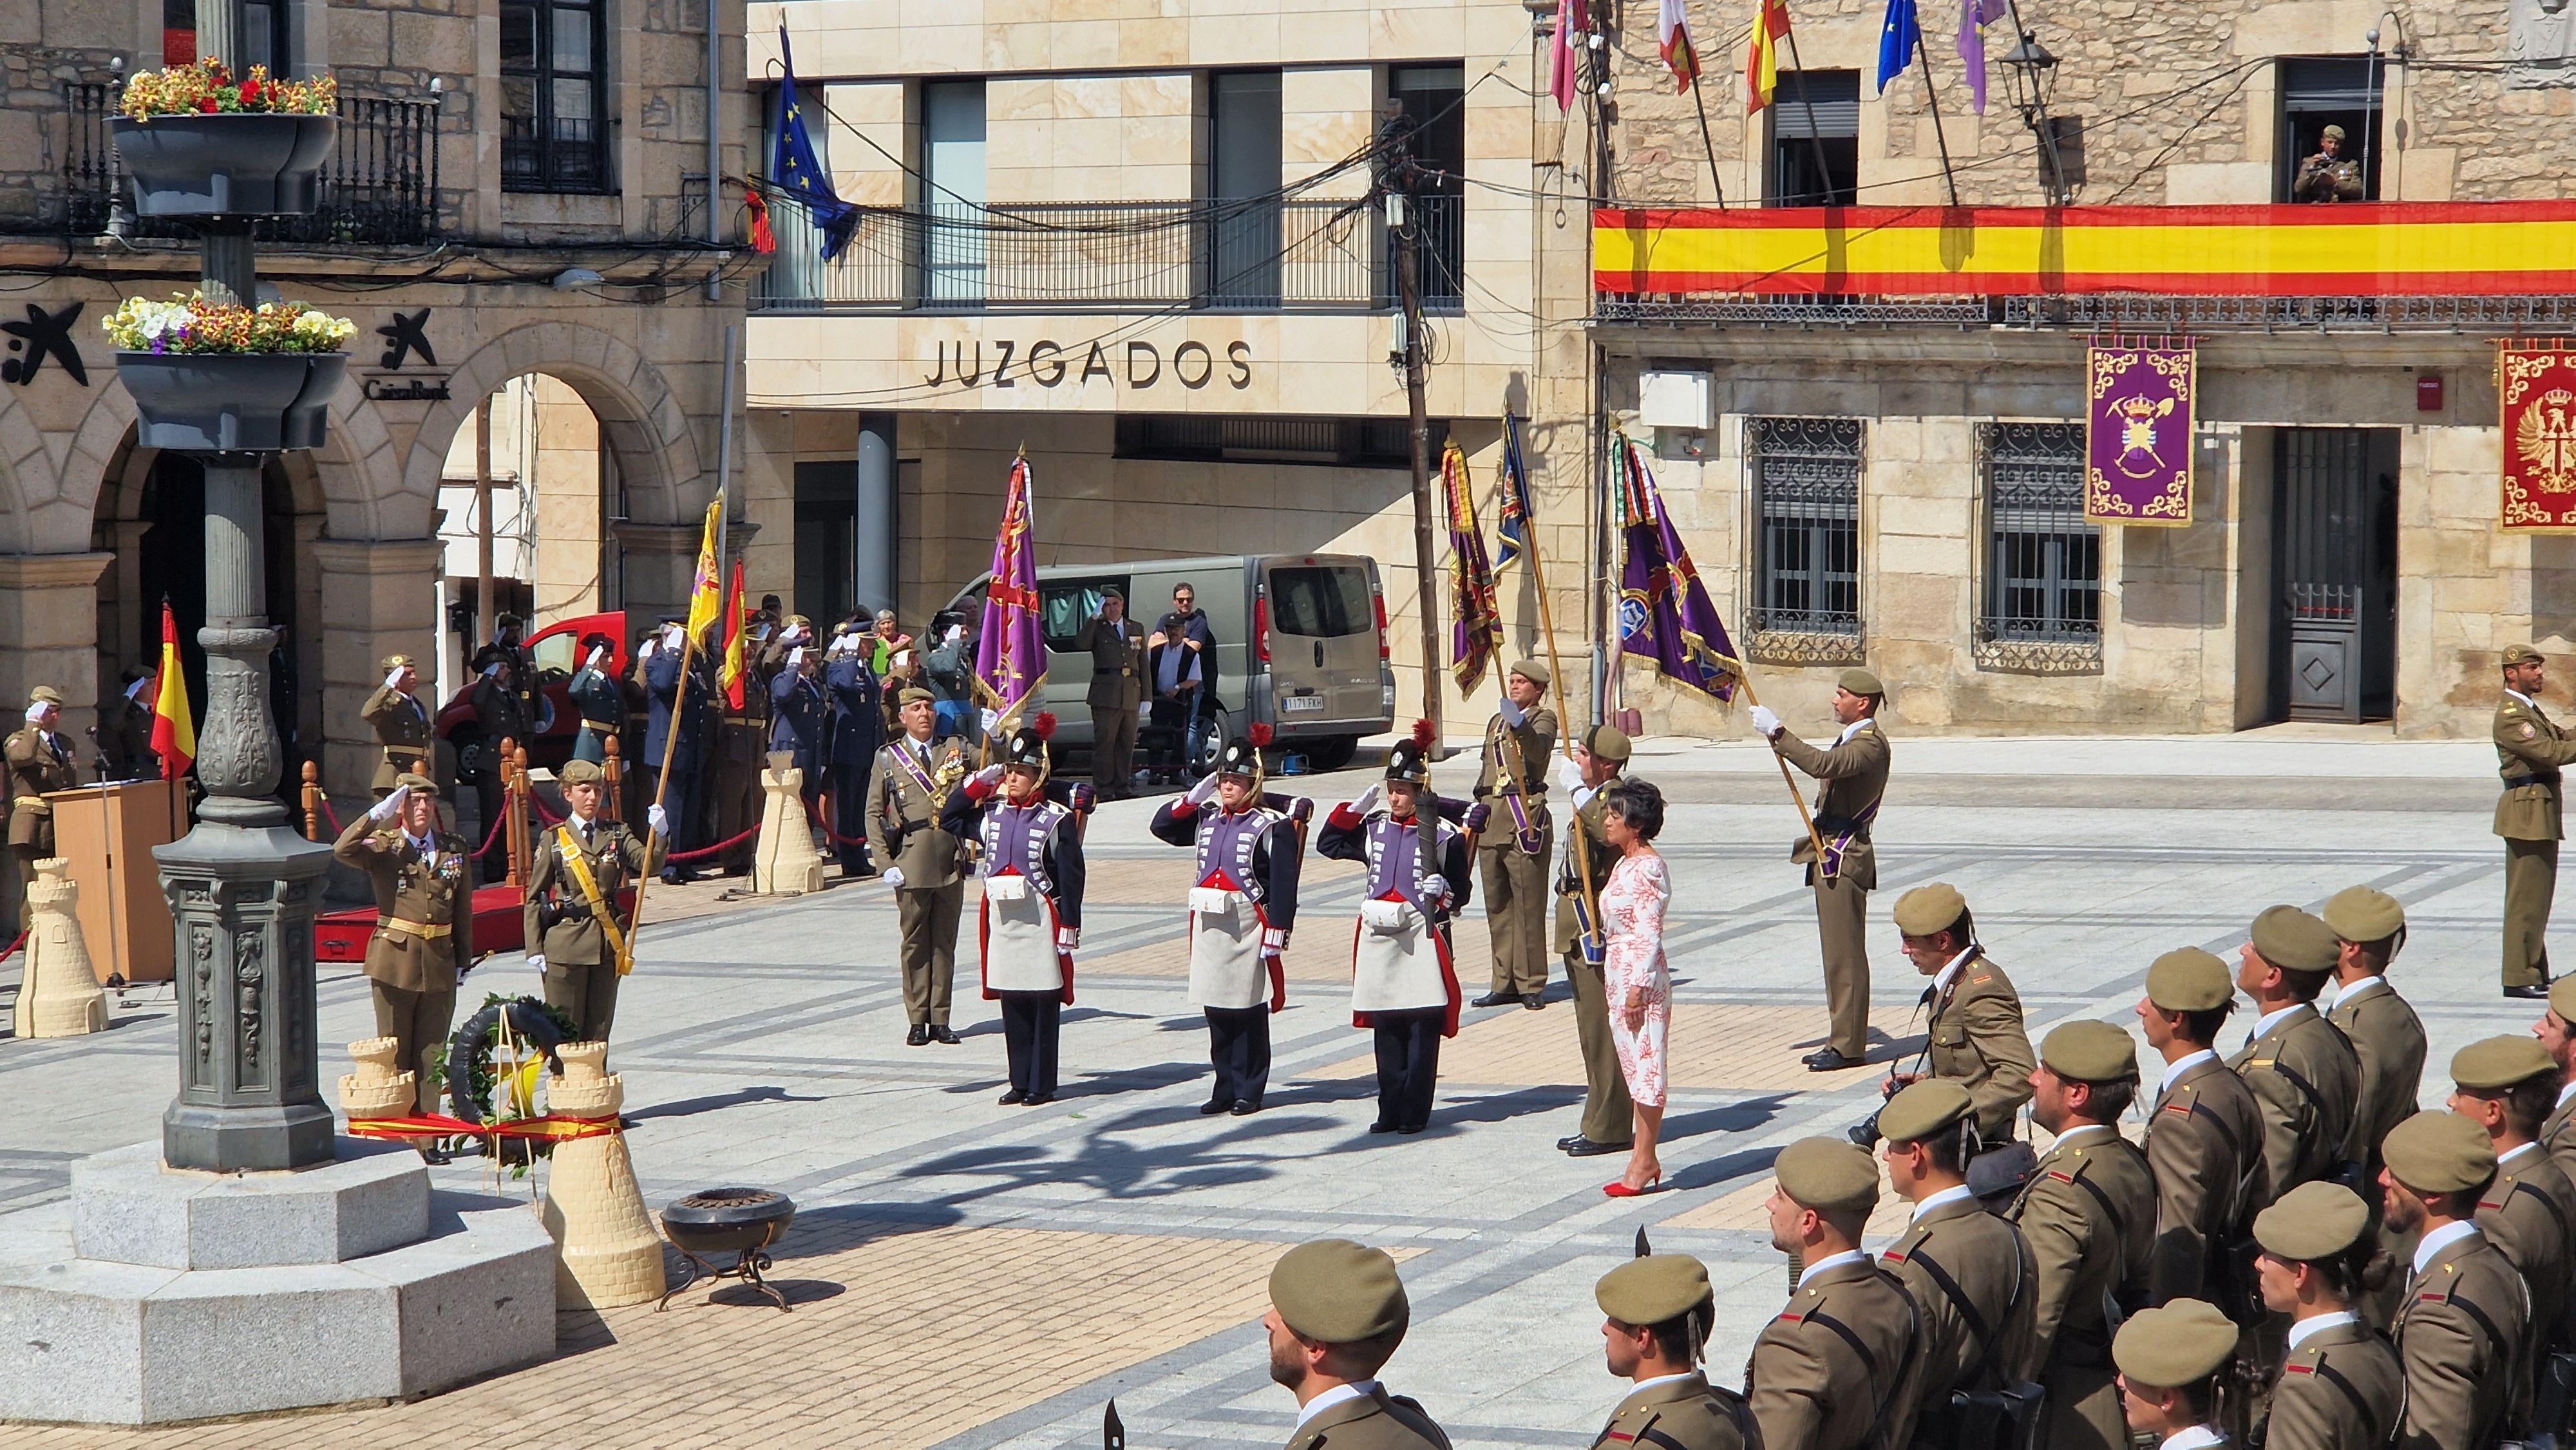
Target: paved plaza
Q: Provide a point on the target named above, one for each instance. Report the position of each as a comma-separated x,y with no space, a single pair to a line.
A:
968,1275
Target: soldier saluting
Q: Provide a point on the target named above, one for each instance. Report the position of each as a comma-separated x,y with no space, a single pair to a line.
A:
582,938
1032,912
2530,749
1838,1368
1512,783
1853,775
924,862
1659,1310
424,940
602,704
402,726
40,760
2204,1136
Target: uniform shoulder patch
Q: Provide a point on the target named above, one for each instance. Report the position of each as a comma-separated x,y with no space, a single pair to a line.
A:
2298,1369
1981,981
2527,731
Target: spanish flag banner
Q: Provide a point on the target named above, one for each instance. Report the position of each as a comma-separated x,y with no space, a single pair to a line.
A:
174,725
732,675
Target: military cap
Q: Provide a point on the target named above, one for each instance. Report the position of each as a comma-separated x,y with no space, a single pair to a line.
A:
1532,671
1607,742
2333,133
399,662
2438,1153
581,772
1922,1109
2179,1343
44,695
2522,654
419,785
1338,1292
798,621
913,693
1112,591
2090,1052
1861,682
2312,1221
2562,997
2294,941
1653,1289
2361,914
1927,909
2500,1062
1829,1175
2188,979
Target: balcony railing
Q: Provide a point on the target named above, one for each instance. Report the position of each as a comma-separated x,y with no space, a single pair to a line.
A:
1086,256
380,187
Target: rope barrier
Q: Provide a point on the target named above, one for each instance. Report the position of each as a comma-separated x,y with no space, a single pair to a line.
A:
547,816
333,817
717,848
814,811
499,820
12,948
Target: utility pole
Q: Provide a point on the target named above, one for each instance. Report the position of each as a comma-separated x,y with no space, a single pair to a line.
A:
482,529
1403,183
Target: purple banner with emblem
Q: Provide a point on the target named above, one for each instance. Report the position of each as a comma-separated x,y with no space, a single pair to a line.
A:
2138,415
1010,653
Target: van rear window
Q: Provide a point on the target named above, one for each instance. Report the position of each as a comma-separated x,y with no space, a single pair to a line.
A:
1328,601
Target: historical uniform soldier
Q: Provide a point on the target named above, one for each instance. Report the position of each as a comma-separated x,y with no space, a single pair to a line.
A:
1852,776
2530,749
40,760
2464,1324
1032,911
402,726
2507,1085
2303,1071
1609,1119
125,728
924,864
1659,1310
1116,645
578,932
1975,1032
856,730
1404,987
2170,1359
1970,1273
1337,1313
2340,1383
602,704
2088,1212
1241,911
424,941
2204,1137
2328,175
1837,1369
1514,855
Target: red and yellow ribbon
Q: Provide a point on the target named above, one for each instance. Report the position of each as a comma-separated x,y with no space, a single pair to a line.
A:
553,1127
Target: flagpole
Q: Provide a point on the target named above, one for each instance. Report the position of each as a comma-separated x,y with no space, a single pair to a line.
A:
1932,102
1556,685
1815,136
1707,145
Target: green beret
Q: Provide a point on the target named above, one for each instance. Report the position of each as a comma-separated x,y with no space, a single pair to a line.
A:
2360,914
2188,979
2439,1153
581,772
422,785
1861,682
1338,1292
2332,133
2562,997
1829,1175
2501,1062
2294,941
1928,909
1922,1109
2177,1344
916,693
2522,654
1607,742
2312,1221
1653,1289
1532,671
2090,1052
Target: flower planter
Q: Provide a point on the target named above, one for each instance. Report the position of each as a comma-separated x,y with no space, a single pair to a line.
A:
232,402
246,164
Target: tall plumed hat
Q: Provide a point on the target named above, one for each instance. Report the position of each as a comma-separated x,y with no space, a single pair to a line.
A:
1242,754
1028,747
1410,760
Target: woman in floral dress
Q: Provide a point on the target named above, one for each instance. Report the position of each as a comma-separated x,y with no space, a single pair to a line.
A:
1639,989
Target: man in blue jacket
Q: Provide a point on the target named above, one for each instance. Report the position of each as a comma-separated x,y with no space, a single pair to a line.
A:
679,795
856,732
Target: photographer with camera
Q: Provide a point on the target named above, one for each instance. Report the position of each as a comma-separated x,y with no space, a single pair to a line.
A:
1969,1271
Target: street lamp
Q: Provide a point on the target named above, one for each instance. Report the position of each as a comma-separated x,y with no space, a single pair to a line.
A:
2031,71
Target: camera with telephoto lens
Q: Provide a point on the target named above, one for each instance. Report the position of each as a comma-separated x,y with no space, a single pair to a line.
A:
1865,1132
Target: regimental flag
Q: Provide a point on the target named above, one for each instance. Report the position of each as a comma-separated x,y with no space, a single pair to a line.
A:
1672,37
1762,58
1511,532
1898,38
174,725
732,675
1565,52
1664,610
2536,396
1010,654
706,591
1476,630
1974,17
795,170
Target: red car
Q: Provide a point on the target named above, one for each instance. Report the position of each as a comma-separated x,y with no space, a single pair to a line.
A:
557,653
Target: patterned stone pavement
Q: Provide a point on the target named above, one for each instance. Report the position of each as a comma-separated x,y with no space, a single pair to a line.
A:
970,1276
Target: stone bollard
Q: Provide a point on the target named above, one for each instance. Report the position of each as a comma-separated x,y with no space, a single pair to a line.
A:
377,1089
58,994
607,1252
784,861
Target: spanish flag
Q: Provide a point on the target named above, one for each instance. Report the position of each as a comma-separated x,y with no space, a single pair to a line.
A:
732,675
174,726
706,601
1762,61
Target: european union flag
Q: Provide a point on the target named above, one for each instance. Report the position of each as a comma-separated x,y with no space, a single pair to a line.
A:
1898,39
794,169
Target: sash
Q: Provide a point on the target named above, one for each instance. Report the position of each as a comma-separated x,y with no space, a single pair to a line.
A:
912,768
579,866
1587,932
1832,864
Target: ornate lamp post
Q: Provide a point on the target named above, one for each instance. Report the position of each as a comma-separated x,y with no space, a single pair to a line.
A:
2031,71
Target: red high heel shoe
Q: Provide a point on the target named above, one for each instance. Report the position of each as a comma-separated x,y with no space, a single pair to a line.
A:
1620,1188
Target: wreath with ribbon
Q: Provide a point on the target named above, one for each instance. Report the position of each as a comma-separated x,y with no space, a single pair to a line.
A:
496,1110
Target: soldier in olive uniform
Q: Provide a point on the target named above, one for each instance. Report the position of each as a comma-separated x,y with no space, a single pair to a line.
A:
1971,1274
1659,1311
2507,1085
1337,1313
2340,1384
2204,1137
602,704
2465,1320
2556,1032
402,725
2530,749
2170,1360
40,760
2328,175
1837,1369
1852,775
1514,854
424,941
913,777
2088,1212
2369,927
577,932
1975,1034
2303,1071
1116,645
1609,1120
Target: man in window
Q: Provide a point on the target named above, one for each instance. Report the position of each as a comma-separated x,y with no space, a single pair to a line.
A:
2329,175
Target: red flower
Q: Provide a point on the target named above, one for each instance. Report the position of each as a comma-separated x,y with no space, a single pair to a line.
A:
206,105
250,93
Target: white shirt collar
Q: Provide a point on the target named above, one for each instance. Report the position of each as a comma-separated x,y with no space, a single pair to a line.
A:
2181,1065
1950,973
1854,728
1355,1390
2316,1324
1661,1379
2526,699
425,845
2442,1238
2564,1093
2264,1023
2193,1438
1947,1195
2074,1134
2511,1154
1832,1261
2355,989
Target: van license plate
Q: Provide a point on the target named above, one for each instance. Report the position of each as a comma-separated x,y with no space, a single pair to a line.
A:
1301,704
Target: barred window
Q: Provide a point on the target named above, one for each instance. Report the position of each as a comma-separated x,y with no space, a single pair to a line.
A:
1806,538
2043,588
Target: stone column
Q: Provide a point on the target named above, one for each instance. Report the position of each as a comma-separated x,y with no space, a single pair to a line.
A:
379,597
656,563
48,636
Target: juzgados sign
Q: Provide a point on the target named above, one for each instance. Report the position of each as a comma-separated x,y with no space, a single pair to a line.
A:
1047,364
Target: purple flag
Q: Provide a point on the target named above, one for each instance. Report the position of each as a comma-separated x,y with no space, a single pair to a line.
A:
1974,14
2139,405
1664,610
1010,654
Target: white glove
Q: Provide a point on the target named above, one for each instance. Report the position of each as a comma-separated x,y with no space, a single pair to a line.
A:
1511,712
842,642
1568,778
1367,801
492,671
796,657
989,777
1199,793
598,652
393,678
658,819
391,806
955,633
991,718
1067,938
672,634
893,878
1436,890
645,650
1764,721
537,961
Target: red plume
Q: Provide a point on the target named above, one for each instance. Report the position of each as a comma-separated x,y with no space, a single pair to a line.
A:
1261,735
1422,733
1044,724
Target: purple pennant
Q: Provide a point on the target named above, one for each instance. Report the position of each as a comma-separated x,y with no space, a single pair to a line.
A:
1974,14
1665,614
1010,653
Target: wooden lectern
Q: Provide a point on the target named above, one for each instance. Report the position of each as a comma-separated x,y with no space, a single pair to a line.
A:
107,832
